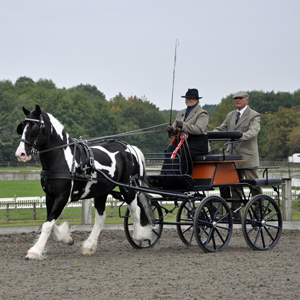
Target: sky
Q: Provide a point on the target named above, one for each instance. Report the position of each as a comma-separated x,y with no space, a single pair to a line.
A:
128,46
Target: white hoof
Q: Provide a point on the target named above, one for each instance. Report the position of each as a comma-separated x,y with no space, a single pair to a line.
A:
71,241
30,256
87,252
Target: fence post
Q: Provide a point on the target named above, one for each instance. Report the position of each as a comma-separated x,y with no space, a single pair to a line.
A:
86,212
287,199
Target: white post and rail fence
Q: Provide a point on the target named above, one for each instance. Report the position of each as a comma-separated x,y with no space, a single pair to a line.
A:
289,201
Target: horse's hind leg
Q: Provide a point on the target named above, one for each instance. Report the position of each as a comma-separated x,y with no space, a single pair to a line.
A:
140,233
90,245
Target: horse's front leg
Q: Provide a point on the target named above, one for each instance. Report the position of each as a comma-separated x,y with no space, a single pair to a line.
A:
89,246
54,210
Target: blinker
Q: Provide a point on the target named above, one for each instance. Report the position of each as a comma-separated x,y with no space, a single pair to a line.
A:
35,130
20,128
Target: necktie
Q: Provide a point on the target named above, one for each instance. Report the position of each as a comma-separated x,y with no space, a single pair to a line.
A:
237,117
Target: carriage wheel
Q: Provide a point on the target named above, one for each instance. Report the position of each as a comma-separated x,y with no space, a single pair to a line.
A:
213,224
156,229
185,216
262,223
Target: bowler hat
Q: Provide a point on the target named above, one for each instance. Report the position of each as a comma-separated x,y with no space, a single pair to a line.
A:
241,94
192,94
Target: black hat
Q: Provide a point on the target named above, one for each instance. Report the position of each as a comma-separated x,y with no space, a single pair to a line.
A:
192,94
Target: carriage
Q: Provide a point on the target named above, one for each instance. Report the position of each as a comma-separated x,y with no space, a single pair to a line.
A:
72,170
205,220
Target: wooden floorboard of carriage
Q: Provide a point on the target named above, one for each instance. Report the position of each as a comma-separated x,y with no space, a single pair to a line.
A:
292,225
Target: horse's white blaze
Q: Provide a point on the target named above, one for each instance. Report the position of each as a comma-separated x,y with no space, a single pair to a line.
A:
90,245
21,152
112,168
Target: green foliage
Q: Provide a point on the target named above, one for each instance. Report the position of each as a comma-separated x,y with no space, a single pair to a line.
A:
281,133
83,110
210,108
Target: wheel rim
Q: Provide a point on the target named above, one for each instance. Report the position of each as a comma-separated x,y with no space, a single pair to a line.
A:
213,224
156,229
262,223
185,215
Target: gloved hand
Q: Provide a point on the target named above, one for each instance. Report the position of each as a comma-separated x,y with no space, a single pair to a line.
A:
170,129
179,124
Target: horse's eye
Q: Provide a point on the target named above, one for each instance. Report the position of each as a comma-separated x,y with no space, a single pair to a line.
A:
35,130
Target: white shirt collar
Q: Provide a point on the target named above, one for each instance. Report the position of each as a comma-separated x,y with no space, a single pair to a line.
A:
242,110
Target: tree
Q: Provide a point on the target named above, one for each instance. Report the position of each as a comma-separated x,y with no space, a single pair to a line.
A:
279,132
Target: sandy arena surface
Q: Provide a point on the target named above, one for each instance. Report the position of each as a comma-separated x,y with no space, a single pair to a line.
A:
170,270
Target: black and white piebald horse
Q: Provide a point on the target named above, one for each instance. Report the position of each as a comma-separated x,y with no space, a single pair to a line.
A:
71,171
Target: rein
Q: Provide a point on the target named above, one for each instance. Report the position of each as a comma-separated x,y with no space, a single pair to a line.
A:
35,151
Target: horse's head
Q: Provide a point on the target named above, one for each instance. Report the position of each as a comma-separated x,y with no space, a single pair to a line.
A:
33,132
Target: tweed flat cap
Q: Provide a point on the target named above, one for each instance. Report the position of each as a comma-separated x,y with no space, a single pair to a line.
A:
241,94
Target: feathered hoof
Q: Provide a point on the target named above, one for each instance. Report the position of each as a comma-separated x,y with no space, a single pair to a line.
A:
71,241
87,251
31,256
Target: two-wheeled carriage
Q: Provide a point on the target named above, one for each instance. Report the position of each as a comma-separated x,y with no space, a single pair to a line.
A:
204,219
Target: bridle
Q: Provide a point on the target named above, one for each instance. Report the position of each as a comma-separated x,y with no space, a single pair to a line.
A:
36,130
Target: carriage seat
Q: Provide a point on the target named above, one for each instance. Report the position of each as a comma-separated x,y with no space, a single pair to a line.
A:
262,181
217,157
224,135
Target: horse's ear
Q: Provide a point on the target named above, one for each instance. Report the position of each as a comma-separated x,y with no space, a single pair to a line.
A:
26,111
38,109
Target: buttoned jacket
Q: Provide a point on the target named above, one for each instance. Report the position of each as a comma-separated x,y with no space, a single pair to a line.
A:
249,124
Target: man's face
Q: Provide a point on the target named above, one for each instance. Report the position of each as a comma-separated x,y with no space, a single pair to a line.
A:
190,102
240,102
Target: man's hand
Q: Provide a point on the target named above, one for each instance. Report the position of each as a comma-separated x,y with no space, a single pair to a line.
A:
170,129
179,124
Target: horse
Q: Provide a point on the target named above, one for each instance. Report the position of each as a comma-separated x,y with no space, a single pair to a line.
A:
71,170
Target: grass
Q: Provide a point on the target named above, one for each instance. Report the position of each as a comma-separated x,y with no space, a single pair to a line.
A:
21,188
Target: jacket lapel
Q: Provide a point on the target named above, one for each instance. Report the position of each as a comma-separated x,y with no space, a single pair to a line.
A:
194,110
243,118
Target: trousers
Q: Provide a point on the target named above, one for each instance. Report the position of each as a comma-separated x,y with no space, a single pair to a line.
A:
244,174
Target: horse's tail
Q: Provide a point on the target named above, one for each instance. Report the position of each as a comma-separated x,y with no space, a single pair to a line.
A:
143,198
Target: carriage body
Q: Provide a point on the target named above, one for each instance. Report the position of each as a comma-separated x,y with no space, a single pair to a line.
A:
205,220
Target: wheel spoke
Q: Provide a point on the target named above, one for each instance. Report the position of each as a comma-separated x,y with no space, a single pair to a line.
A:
269,233
220,236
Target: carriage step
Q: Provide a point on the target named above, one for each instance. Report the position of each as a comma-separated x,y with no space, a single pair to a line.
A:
262,181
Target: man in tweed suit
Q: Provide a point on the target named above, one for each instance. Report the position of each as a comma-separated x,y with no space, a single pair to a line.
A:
248,121
193,120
